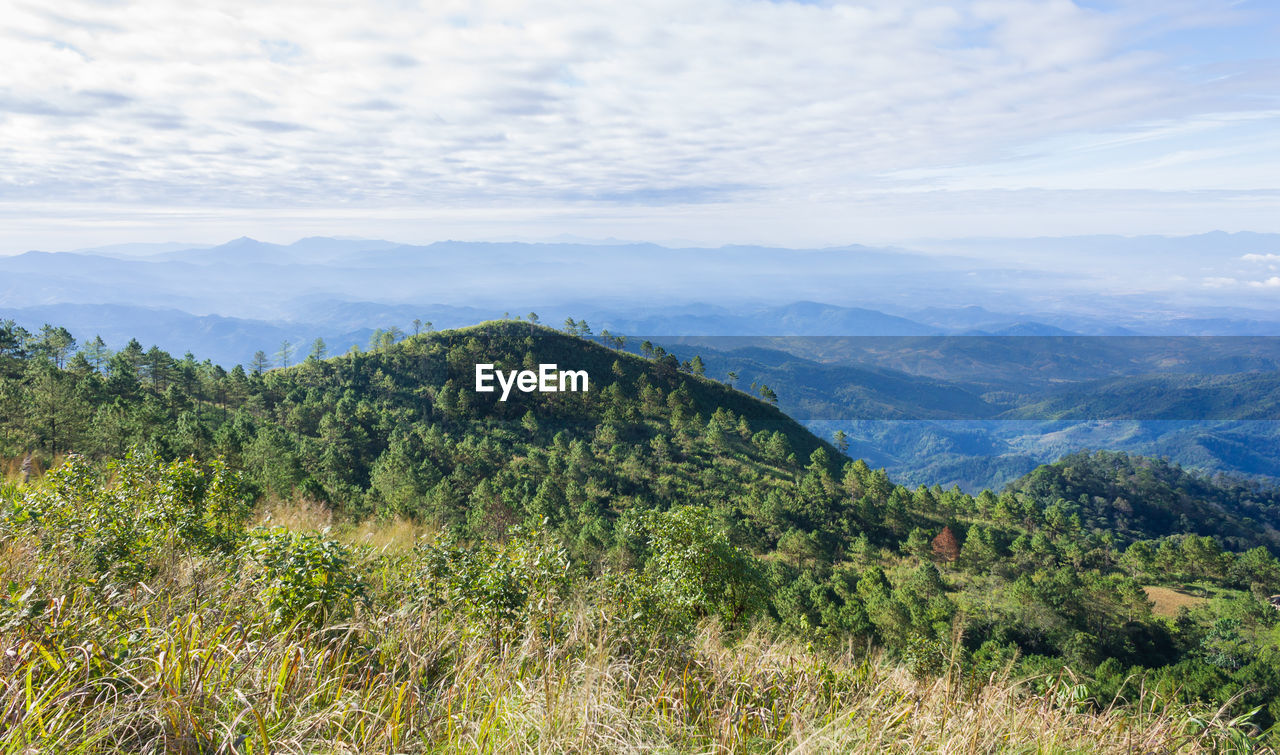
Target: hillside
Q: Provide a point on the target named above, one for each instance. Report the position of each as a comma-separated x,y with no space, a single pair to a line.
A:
979,411
1246,395
673,501
401,431
204,635
1136,498
226,302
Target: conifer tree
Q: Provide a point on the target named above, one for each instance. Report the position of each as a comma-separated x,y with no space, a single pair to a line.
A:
945,546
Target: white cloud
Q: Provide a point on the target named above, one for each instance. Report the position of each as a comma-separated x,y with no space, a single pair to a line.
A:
1272,282
576,106
1220,282
1261,257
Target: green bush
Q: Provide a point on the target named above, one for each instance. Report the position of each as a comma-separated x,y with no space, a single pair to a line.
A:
498,587
121,514
633,612
926,657
694,568
302,577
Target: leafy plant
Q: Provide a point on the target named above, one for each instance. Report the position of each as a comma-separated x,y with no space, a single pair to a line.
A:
121,514
303,577
497,586
694,567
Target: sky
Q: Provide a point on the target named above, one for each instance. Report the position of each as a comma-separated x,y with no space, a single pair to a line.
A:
712,122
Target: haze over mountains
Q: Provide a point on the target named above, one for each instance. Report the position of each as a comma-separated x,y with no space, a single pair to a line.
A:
339,289
930,407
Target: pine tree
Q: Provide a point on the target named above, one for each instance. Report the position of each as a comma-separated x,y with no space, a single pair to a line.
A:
945,546
318,350
97,352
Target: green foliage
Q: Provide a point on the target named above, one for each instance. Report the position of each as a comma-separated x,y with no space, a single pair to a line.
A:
398,431
300,577
633,610
1136,498
121,515
1223,646
694,568
678,498
926,658
499,587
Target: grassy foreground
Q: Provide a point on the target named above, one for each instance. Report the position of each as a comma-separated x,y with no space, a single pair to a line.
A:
185,672
135,617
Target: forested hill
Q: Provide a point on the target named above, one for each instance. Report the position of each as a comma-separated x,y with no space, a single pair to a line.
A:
657,473
1136,497
402,431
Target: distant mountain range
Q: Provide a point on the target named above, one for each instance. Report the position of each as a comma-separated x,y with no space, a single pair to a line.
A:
1127,286
856,338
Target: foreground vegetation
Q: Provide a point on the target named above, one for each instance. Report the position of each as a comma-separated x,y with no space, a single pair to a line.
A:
655,536
144,612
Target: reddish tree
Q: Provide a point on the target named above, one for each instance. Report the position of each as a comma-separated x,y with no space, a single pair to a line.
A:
945,546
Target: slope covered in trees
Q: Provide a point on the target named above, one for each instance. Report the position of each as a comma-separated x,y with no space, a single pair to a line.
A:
402,431
1136,497
142,612
689,501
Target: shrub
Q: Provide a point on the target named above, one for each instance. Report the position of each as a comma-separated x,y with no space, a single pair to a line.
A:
303,578
498,587
634,614
121,514
694,568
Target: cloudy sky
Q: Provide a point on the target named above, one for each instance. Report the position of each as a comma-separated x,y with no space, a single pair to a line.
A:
712,121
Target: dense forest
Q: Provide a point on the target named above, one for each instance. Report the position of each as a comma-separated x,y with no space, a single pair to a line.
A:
679,498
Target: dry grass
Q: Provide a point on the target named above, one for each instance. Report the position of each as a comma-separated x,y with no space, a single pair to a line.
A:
1168,600
394,536
11,468
190,663
307,515
299,515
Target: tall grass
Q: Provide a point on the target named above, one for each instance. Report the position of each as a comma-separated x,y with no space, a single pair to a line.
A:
193,656
11,468
191,662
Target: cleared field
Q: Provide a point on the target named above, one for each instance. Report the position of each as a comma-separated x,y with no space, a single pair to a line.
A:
1168,600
